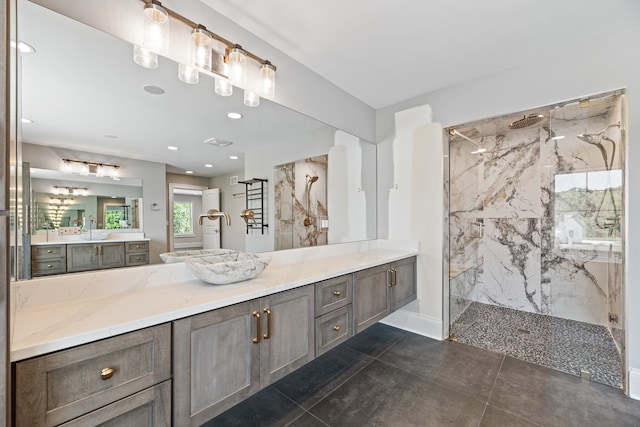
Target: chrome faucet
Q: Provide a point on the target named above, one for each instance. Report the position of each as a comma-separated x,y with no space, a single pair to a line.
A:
214,214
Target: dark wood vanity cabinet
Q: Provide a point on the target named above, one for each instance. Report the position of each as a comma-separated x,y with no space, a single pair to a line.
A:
94,256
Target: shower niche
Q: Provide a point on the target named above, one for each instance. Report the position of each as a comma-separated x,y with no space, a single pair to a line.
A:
543,279
300,198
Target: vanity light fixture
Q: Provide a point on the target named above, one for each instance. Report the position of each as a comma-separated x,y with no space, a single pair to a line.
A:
251,99
188,74
68,191
231,69
144,57
267,80
156,27
94,168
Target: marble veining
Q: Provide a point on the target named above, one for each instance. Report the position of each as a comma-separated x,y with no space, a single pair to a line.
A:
53,313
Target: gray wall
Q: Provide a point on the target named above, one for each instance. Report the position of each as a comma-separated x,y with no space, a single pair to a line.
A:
232,201
595,67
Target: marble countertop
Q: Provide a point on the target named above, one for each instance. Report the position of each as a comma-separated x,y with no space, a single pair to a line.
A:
58,312
53,238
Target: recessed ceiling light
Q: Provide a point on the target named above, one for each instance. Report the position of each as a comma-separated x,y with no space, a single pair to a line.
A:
234,115
154,90
189,172
25,120
208,166
233,157
172,148
218,142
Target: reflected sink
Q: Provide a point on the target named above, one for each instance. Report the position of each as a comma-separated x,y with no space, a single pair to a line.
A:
95,235
181,256
228,268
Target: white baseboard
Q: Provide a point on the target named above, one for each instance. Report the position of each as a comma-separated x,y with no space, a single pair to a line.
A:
415,322
189,245
634,383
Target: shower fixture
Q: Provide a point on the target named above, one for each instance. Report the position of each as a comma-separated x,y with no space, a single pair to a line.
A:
310,180
526,121
611,223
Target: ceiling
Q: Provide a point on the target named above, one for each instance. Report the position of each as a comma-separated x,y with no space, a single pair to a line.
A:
381,52
385,52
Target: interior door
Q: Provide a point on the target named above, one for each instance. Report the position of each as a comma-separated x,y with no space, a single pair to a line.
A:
211,228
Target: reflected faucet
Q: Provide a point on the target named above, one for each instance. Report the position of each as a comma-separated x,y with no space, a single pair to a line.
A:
92,220
214,214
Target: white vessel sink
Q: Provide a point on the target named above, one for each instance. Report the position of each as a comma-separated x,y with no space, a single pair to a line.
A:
95,235
228,268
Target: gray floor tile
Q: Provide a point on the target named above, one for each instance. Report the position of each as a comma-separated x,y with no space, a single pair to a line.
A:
309,384
494,417
382,395
306,420
269,407
375,339
550,398
463,368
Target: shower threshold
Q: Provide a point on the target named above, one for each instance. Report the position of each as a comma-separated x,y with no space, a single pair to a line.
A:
565,345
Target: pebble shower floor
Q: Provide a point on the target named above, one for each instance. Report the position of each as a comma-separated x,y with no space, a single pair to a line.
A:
565,345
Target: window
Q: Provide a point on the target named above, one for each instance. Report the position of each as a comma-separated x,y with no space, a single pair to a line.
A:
183,219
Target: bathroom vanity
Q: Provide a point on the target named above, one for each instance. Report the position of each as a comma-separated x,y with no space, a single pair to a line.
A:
109,356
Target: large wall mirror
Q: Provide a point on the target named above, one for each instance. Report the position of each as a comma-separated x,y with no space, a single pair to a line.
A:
83,97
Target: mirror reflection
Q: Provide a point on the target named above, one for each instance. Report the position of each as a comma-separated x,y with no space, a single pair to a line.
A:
105,114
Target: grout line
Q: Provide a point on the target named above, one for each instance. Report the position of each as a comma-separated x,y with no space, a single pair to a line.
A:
493,386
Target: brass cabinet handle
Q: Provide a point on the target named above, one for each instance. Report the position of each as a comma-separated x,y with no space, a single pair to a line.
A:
49,266
268,334
390,277
138,258
106,373
337,293
336,328
256,340
49,251
394,273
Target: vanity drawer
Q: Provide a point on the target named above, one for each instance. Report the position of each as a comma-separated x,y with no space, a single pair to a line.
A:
333,293
48,251
333,328
48,266
56,388
136,259
136,247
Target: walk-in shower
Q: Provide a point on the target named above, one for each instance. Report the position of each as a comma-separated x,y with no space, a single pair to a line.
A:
536,235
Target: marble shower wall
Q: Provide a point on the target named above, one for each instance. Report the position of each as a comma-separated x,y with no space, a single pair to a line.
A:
527,214
291,204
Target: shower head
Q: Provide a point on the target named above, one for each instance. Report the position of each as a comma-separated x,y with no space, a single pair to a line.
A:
312,179
589,138
526,121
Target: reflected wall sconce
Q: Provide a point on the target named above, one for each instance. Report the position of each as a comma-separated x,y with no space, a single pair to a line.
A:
234,70
84,168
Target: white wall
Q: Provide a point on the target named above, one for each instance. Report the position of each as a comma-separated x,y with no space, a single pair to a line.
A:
596,67
232,200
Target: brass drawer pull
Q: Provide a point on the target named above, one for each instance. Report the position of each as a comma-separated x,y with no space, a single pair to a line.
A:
138,258
49,251
268,334
337,293
336,328
106,373
49,266
255,314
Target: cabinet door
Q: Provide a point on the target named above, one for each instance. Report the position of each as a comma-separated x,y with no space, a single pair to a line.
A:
216,362
82,257
404,289
148,408
111,255
370,299
288,333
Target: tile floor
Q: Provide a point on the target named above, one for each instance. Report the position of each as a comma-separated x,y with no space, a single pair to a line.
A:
388,377
562,344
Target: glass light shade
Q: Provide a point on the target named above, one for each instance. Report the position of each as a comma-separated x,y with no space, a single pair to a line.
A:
223,87
237,61
100,171
156,28
56,191
251,99
66,167
144,57
84,170
267,81
201,51
188,74
84,192
114,174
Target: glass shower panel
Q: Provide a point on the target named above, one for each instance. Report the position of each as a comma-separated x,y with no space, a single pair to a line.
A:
582,239
466,229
